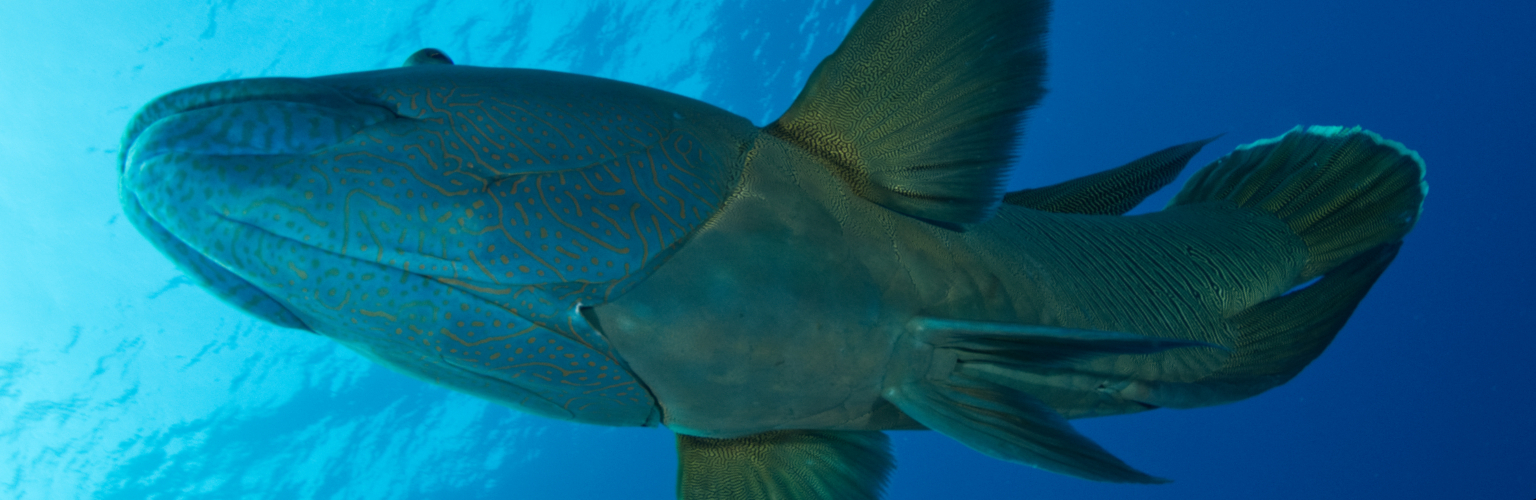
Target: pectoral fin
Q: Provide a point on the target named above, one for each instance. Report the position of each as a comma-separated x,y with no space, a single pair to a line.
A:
919,109
787,465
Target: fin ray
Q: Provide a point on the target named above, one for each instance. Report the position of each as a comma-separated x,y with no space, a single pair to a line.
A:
784,465
1010,425
1342,190
919,108
951,392
1111,192
1279,337
1036,346
1350,196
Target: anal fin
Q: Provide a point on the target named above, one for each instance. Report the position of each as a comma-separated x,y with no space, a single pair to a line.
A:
949,387
1035,346
787,465
1008,424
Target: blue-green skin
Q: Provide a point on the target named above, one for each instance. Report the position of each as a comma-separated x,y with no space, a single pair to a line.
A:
448,221
607,253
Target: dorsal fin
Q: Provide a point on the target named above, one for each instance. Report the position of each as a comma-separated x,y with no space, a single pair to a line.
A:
1111,192
919,108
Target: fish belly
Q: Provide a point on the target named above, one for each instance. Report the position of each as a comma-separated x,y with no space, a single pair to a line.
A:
775,315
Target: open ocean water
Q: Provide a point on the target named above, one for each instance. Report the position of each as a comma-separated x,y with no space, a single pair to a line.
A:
121,380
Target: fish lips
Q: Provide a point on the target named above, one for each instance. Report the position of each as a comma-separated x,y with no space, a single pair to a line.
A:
259,116
185,149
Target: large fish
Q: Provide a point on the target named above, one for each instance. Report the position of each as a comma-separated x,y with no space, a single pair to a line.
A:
601,252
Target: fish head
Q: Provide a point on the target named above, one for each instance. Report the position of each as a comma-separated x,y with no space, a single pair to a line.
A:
451,222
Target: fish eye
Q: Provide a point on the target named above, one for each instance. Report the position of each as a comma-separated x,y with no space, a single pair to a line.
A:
428,56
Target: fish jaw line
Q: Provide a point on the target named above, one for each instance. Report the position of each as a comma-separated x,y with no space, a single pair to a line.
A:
172,138
227,170
315,99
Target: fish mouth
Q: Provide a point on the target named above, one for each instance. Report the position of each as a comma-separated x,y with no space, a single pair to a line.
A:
344,114
268,118
208,274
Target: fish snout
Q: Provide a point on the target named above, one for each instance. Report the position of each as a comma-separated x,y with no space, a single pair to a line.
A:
262,116
199,158
195,162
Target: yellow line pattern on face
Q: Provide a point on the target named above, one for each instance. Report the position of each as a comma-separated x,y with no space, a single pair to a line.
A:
458,240
472,286
376,314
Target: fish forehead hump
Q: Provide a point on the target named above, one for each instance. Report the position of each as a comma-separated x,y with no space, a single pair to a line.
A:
496,200
574,179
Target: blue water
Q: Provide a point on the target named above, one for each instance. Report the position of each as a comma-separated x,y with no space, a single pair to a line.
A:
120,380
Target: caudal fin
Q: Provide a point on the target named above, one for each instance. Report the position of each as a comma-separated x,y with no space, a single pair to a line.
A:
1344,191
1351,196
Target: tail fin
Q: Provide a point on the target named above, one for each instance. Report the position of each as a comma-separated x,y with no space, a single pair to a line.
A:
1351,196
918,110
1342,190
1280,336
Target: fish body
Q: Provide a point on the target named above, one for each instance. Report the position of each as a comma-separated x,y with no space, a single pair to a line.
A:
798,283
606,253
